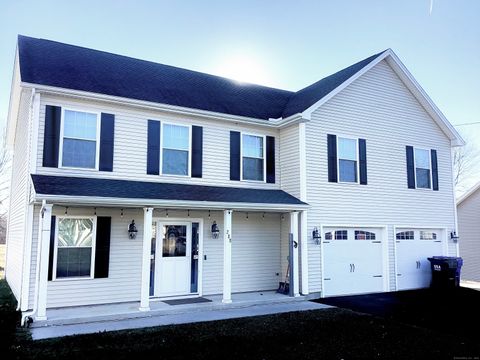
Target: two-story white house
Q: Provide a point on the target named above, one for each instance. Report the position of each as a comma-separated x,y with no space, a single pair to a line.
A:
349,178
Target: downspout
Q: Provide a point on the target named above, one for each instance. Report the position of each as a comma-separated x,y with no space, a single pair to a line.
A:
29,314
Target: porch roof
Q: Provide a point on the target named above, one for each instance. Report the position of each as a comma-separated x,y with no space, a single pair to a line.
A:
112,192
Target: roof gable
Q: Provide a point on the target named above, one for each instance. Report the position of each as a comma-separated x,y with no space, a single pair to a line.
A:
306,97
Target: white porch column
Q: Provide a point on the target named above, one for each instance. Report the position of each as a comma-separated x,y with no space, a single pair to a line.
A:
304,252
46,219
147,245
294,261
227,256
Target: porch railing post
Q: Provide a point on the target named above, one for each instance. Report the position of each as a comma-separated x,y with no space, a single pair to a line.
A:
294,275
304,252
46,219
146,251
227,256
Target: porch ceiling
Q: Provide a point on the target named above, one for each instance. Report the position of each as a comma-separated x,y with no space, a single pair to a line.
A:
97,191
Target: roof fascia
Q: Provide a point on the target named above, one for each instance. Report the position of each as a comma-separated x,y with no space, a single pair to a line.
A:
114,202
85,95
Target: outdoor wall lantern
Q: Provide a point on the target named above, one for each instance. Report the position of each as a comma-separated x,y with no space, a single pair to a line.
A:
316,236
454,236
132,230
215,230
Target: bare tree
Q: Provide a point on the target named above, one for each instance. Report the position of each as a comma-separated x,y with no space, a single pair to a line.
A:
466,166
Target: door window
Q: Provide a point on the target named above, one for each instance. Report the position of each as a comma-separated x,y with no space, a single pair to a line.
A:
174,240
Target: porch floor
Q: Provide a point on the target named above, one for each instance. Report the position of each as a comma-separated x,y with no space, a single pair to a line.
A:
111,317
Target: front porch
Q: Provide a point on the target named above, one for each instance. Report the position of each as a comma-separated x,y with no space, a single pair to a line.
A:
175,253
113,317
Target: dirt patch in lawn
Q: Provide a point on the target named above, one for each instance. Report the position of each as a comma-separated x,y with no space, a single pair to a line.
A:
330,333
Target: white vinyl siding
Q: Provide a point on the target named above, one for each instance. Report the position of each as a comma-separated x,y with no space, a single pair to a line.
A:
381,109
469,236
130,156
255,251
19,193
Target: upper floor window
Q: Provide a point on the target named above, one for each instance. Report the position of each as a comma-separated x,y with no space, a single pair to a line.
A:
80,139
347,160
75,244
253,157
422,168
175,149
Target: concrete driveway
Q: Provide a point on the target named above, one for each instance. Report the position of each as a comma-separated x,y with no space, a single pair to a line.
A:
452,311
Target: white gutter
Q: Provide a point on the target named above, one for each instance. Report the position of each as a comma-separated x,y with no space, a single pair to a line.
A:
158,203
31,313
270,123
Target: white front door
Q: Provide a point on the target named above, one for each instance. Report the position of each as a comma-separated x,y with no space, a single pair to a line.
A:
173,258
353,261
413,248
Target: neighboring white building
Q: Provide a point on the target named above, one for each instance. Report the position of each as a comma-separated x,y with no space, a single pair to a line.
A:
468,209
362,156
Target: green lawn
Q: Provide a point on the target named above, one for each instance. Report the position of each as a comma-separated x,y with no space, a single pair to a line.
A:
331,333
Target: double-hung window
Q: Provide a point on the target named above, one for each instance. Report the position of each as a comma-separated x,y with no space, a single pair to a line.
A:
175,149
422,168
80,139
75,247
253,157
347,160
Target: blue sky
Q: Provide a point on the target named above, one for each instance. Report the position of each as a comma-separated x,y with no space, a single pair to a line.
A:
286,44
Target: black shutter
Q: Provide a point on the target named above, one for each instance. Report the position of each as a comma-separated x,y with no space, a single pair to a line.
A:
52,248
332,157
234,155
433,154
107,133
102,246
270,159
51,137
197,151
362,151
153,147
410,168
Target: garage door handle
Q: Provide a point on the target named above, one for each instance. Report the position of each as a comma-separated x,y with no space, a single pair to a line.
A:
377,275
376,242
353,267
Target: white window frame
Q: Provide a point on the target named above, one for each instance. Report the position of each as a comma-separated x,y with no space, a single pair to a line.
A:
415,167
94,246
264,139
97,140
189,164
357,155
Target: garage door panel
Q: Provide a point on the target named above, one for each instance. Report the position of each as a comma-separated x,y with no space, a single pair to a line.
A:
413,267
353,265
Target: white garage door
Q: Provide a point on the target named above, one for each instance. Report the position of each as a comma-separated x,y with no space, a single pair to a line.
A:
413,248
352,261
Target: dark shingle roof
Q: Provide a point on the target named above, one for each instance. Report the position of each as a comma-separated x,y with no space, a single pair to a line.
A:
125,189
61,65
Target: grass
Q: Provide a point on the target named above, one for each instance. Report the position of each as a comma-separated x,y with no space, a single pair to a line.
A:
331,333
9,317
